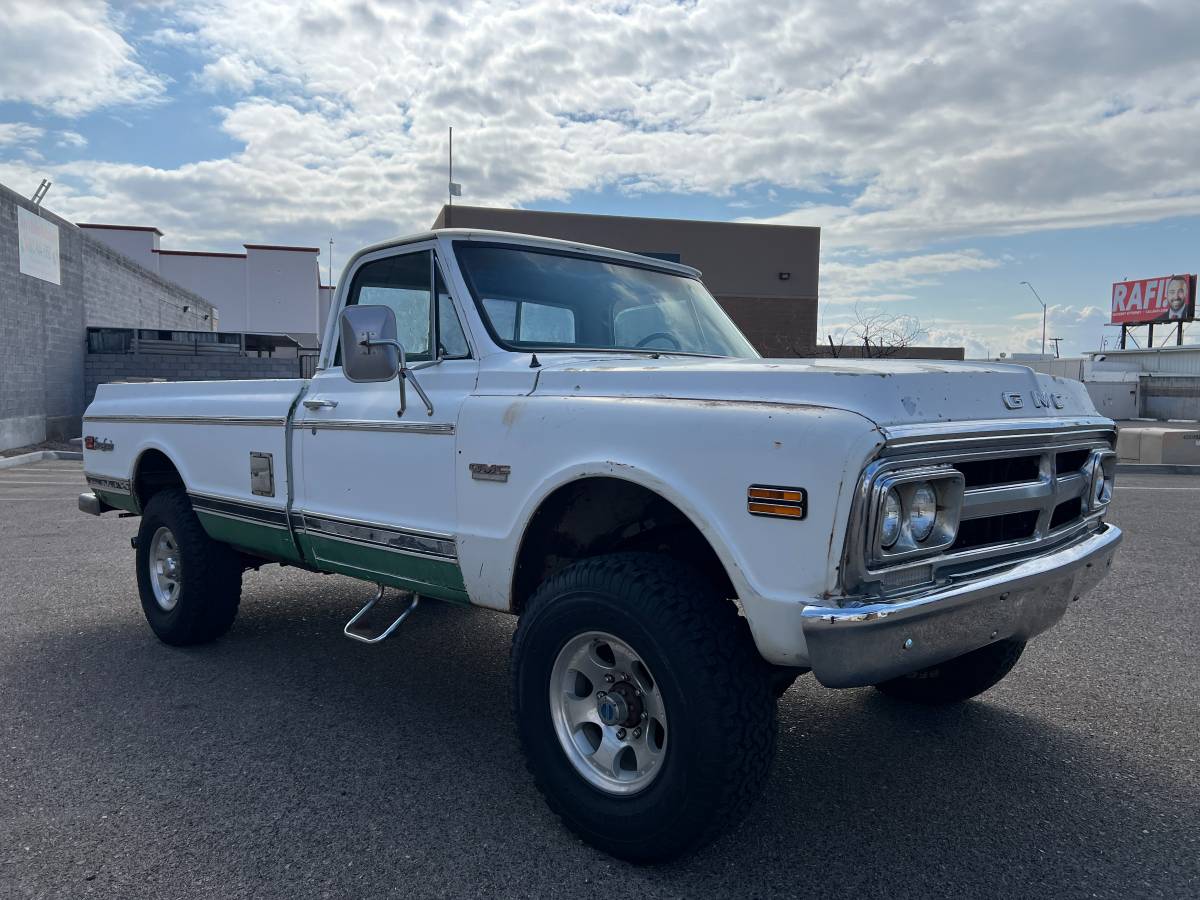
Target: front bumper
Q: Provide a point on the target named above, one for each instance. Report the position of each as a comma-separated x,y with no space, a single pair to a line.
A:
855,646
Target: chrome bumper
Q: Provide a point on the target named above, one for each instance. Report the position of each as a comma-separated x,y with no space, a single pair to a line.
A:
90,504
850,647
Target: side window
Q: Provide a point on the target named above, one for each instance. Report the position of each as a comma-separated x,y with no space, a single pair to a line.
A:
522,320
402,283
450,330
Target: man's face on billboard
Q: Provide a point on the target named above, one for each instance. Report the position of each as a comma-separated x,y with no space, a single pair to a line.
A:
1177,294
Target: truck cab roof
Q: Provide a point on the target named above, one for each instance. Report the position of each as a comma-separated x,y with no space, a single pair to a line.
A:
529,240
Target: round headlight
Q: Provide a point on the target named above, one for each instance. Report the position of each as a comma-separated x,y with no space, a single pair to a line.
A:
922,511
889,523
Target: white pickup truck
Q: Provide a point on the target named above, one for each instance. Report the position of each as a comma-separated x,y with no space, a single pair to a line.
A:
581,437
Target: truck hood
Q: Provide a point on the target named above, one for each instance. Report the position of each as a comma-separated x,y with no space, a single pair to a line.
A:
888,392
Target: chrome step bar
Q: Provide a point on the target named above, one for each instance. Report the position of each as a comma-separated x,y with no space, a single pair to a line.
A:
349,631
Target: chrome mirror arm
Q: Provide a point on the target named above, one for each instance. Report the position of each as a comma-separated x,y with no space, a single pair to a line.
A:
407,374
404,372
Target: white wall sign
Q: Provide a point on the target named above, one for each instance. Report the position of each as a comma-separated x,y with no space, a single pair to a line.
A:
37,241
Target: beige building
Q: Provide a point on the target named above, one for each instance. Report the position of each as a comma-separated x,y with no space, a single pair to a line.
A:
765,276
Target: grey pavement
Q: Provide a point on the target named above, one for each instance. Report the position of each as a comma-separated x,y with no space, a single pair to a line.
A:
287,761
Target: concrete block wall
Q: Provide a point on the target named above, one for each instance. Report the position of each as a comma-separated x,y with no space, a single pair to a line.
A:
118,293
43,325
105,367
41,335
1170,396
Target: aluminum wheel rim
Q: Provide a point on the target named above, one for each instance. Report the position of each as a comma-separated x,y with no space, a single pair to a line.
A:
618,756
166,571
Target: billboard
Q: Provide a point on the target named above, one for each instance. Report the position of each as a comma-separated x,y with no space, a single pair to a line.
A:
1171,298
37,246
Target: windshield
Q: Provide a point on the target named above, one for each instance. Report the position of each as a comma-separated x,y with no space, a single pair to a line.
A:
534,299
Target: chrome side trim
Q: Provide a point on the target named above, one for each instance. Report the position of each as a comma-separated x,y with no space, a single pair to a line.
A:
990,433
247,519
191,420
370,425
438,535
412,543
112,485
226,507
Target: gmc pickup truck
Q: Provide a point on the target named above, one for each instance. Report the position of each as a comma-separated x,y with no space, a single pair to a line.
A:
581,437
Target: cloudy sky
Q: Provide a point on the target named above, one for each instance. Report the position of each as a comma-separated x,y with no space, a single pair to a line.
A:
949,150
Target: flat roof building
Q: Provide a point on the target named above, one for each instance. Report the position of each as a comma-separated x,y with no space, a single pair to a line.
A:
764,276
267,289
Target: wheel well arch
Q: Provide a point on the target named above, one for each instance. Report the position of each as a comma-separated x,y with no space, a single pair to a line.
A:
153,472
599,514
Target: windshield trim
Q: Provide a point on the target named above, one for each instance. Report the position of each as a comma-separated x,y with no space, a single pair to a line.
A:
648,265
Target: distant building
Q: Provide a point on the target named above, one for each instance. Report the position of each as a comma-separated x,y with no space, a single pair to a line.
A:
268,289
764,276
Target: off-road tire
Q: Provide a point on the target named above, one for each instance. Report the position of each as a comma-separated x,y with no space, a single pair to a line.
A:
714,685
211,584
957,679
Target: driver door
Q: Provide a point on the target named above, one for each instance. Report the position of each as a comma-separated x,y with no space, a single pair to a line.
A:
376,499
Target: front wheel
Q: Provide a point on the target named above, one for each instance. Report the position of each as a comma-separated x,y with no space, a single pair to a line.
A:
957,679
190,585
644,711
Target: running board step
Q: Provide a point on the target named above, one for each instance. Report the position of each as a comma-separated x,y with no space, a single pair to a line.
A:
365,637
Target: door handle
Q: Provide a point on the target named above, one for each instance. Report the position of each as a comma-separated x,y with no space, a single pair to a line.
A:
320,404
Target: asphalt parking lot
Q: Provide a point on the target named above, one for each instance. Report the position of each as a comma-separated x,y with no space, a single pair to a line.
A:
287,761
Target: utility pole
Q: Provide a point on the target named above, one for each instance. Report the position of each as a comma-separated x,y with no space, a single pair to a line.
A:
1043,302
331,262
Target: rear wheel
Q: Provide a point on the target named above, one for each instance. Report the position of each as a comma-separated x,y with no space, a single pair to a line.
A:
644,710
190,585
957,679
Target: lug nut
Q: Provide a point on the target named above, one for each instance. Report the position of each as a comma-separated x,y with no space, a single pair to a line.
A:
608,678
621,734
600,695
637,732
645,716
637,693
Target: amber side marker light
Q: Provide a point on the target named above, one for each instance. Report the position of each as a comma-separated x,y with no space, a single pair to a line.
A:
777,502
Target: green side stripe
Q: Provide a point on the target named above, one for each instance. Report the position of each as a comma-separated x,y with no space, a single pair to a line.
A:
271,541
423,575
429,577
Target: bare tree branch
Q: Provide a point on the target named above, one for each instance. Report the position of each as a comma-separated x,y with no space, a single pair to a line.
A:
876,334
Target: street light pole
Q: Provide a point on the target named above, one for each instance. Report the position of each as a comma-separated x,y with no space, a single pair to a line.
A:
1043,302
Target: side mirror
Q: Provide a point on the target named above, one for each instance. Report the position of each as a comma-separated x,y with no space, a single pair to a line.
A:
370,351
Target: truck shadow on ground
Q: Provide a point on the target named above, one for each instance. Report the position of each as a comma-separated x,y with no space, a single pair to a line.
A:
285,758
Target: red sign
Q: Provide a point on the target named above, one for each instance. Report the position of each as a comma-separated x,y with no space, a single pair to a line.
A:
1171,298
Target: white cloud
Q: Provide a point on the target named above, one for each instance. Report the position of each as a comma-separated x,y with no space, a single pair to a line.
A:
230,72
907,123
15,133
891,279
71,139
68,57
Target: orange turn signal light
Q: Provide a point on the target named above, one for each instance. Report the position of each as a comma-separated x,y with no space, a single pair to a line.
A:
777,502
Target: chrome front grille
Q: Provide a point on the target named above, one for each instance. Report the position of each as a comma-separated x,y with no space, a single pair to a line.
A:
1024,493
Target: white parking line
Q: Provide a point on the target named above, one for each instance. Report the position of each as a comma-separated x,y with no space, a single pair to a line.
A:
1142,487
42,483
